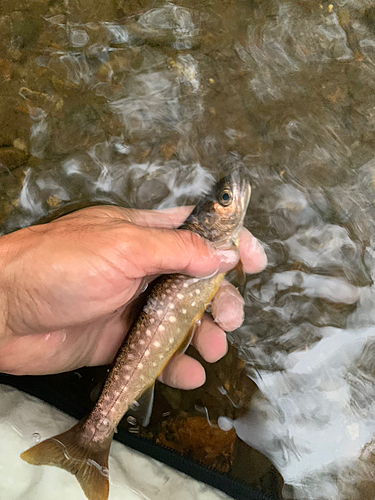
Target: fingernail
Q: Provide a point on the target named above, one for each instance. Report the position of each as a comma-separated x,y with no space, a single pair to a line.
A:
228,308
256,247
228,258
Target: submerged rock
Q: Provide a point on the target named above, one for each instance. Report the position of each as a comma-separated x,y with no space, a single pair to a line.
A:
195,437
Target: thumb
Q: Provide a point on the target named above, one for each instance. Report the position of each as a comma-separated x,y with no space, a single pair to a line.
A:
164,251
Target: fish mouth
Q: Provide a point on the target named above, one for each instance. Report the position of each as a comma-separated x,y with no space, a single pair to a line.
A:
241,189
245,195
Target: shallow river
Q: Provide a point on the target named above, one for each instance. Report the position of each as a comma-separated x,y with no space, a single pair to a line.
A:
142,103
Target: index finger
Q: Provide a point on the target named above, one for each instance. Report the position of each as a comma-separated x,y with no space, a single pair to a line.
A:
252,254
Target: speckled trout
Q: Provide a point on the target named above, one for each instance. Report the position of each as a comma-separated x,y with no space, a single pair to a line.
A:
174,305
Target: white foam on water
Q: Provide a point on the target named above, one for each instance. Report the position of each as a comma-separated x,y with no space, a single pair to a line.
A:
304,418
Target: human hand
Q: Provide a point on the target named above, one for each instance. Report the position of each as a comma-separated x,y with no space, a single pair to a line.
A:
67,288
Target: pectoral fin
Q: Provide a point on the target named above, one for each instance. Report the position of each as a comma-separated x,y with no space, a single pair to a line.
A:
186,342
237,275
141,409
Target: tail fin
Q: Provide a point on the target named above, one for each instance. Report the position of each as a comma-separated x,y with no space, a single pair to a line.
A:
75,453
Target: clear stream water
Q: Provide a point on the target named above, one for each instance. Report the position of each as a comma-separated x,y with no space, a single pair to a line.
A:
143,102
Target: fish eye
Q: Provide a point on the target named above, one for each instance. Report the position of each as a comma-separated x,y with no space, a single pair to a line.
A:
225,197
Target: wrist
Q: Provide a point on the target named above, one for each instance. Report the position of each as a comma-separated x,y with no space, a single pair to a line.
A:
4,309
3,314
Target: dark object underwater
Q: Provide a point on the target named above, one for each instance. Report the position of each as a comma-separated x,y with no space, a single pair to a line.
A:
69,392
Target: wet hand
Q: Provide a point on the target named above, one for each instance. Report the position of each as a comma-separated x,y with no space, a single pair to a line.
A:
67,288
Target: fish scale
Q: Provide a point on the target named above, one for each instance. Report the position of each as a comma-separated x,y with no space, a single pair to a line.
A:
155,337
174,305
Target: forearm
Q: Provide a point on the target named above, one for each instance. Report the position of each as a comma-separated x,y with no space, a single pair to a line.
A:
5,264
3,289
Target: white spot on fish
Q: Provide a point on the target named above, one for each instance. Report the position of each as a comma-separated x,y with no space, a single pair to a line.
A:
148,332
171,306
197,291
141,342
163,295
193,304
180,296
127,377
147,352
184,311
130,356
161,328
171,340
152,320
160,312
161,356
140,366
154,364
172,319
186,285
157,343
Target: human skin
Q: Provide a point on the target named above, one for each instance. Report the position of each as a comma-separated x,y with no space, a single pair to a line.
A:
67,288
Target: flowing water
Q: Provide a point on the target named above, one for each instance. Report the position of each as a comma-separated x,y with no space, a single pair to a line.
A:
143,102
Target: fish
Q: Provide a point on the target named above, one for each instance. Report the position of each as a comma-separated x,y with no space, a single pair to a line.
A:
164,327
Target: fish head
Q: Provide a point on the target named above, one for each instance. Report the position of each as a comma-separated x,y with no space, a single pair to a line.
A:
219,216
